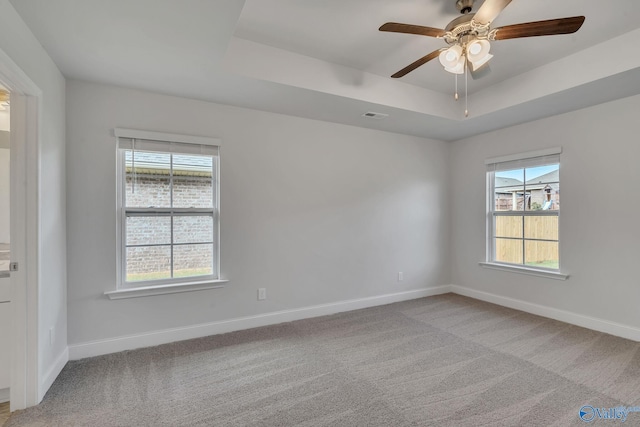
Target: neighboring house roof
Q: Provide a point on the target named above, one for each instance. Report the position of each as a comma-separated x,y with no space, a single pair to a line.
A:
510,185
553,176
507,182
541,182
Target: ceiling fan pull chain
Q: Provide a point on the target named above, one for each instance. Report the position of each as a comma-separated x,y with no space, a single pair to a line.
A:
466,97
455,95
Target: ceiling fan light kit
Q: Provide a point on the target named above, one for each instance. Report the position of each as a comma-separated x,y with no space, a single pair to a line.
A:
469,37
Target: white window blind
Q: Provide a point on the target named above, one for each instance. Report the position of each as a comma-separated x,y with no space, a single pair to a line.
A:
166,147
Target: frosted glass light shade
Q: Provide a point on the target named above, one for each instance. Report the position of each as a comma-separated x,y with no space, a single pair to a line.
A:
475,48
450,58
458,68
478,53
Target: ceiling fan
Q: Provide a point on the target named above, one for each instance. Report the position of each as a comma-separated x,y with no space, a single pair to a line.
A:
469,37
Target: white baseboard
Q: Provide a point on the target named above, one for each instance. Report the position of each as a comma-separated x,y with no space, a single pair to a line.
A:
53,373
130,342
4,395
613,328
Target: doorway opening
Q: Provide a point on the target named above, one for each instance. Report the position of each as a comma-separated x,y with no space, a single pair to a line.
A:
22,327
5,254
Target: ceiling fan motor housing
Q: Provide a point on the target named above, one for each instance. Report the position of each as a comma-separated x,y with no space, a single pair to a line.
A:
464,6
463,30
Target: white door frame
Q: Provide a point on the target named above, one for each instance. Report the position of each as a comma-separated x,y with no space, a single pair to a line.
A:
25,125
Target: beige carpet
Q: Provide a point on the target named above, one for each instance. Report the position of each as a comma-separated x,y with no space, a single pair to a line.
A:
439,361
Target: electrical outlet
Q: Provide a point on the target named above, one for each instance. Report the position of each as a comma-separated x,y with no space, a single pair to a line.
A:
400,276
262,294
51,337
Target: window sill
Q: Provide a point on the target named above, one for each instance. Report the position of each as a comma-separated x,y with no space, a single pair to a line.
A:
525,270
164,289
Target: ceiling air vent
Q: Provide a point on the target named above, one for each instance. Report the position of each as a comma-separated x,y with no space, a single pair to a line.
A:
377,116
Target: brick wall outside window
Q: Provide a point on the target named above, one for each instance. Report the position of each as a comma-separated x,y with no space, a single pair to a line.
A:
188,191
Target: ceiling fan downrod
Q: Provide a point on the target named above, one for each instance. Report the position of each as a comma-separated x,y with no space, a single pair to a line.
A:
464,6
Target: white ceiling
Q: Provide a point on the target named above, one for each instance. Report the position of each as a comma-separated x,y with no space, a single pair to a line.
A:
327,60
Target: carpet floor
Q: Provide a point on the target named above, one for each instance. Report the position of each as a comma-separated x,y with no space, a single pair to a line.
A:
440,361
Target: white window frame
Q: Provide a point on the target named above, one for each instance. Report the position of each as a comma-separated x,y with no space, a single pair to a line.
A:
168,143
522,160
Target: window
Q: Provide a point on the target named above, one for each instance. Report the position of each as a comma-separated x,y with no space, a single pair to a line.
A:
168,209
523,210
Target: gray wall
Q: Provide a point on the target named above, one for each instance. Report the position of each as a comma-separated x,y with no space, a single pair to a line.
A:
315,212
599,228
17,41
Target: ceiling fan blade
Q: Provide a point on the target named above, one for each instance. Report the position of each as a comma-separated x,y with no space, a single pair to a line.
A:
540,28
395,27
409,68
489,10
